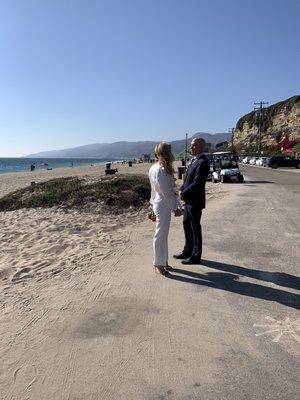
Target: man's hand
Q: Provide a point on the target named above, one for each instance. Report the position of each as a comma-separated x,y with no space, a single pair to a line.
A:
178,213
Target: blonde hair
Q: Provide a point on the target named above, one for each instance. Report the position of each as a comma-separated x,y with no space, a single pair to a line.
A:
163,152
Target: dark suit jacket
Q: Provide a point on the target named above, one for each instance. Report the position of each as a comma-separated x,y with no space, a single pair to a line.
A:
193,188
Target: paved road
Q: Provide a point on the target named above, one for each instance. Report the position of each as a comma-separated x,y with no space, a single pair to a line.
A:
248,320
252,248
281,176
232,327
278,187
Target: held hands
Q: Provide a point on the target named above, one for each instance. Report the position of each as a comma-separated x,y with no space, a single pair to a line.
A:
180,196
178,213
151,214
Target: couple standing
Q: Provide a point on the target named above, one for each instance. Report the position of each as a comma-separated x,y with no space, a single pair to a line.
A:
164,200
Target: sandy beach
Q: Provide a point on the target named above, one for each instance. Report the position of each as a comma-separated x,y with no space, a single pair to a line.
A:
45,242
55,266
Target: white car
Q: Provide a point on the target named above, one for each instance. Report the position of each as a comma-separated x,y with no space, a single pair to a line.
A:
246,160
262,161
253,161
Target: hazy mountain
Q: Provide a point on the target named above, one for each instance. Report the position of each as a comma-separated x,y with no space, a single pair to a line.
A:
120,150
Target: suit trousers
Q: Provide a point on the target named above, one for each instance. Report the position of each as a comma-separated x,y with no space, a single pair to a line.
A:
160,241
192,230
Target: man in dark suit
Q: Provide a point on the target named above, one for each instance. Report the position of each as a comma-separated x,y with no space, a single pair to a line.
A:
193,195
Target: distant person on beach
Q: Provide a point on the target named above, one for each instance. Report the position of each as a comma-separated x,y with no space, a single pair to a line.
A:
163,201
32,167
193,195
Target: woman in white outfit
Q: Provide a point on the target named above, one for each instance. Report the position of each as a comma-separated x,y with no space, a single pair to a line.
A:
164,201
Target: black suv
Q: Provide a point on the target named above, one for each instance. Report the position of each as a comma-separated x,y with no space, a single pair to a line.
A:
283,161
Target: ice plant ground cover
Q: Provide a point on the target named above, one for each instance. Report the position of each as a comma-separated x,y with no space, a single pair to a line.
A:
119,192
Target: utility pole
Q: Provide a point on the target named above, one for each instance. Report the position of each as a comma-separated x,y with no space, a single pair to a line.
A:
259,110
231,130
186,146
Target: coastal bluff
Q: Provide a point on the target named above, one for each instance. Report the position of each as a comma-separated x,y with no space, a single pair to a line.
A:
279,119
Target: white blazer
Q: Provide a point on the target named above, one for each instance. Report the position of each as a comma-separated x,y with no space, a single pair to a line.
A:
162,188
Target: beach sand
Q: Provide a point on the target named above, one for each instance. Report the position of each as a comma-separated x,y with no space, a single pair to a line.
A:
49,241
78,294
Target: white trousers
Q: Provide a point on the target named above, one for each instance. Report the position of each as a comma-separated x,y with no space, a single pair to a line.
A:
160,240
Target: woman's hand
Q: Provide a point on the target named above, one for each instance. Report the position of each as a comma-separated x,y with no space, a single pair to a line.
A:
152,216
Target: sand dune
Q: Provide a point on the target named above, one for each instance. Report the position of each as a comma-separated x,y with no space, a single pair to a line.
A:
46,242
13,181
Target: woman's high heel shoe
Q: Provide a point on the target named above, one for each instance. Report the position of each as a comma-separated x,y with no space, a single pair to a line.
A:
161,270
168,267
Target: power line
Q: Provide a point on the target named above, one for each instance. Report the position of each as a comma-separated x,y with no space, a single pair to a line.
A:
186,150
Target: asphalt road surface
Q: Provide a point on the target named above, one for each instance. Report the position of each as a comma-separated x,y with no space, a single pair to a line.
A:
282,176
254,255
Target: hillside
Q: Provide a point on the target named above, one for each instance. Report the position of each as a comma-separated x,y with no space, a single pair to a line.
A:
278,120
123,149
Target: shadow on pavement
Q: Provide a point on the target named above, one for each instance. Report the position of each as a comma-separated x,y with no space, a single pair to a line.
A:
279,278
258,182
229,282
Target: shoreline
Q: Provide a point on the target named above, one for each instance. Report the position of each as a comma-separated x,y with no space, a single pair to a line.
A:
48,161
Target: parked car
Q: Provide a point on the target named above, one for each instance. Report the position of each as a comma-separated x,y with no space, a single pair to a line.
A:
246,159
283,161
253,160
266,161
262,161
225,168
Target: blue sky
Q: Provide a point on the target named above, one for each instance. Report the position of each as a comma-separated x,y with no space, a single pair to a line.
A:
83,71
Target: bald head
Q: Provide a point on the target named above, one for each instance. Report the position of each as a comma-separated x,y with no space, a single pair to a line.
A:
197,146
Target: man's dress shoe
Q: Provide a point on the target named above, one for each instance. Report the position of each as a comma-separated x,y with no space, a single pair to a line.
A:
182,256
191,260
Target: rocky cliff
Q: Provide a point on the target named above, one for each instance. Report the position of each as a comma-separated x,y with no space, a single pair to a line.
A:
277,120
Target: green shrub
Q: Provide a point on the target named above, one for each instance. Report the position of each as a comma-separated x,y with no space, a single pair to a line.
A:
118,191
296,148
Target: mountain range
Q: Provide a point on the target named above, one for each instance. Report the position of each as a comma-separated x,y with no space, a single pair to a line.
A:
123,149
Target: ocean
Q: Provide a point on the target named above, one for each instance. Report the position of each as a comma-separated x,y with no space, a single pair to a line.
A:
23,164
